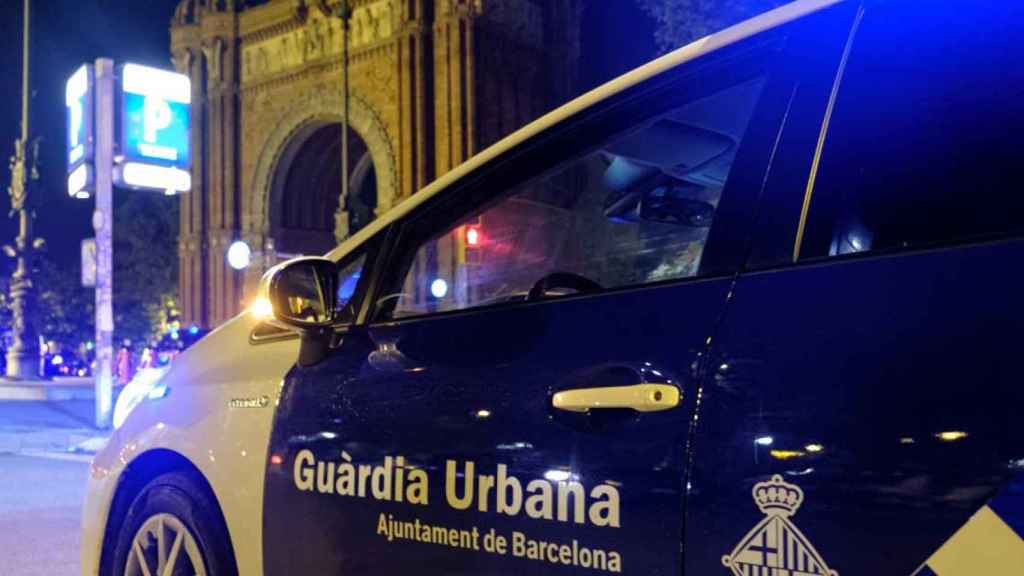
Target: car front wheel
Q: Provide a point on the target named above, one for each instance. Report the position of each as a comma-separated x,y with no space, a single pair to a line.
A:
173,529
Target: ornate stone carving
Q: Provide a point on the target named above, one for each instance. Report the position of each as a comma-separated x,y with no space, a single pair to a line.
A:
372,22
317,38
448,7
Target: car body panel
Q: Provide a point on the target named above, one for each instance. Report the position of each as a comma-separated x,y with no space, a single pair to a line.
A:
217,413
897,424
455,392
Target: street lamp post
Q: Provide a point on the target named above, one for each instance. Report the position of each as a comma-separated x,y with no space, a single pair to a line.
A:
23,355
345,13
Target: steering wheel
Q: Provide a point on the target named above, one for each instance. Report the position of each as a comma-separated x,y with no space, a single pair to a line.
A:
581,284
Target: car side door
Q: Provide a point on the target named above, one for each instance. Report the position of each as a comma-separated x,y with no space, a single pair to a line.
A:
520,396
860,416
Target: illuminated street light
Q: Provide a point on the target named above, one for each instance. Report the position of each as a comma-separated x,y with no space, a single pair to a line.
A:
239,255
439,288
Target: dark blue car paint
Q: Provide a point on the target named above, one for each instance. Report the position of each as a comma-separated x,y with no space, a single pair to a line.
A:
416,389
868,358
871,358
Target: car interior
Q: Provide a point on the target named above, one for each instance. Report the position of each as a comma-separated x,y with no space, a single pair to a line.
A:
637,210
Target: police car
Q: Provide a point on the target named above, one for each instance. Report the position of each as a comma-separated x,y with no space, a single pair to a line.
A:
752,308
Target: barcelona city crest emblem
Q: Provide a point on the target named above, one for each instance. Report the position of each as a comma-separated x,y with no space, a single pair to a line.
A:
776,547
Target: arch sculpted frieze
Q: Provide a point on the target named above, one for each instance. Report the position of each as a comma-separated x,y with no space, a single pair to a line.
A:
320,106
317,38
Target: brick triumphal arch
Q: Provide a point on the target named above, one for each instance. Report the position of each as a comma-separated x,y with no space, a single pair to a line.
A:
432,82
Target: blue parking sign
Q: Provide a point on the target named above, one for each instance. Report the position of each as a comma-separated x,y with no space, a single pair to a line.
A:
156,130
155,109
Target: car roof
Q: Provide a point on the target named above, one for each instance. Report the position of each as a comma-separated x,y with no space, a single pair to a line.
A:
694,50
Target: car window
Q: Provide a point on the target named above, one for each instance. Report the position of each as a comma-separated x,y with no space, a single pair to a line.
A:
348,280
924,144
636,210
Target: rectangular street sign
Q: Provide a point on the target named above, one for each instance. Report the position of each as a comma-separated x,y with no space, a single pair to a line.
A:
89,262
78,99
155,116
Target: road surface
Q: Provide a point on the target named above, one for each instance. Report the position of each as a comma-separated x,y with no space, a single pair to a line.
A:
40,510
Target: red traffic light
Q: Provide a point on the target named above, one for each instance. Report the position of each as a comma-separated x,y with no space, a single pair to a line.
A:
473,236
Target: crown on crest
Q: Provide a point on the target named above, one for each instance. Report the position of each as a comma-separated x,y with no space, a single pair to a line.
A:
778,496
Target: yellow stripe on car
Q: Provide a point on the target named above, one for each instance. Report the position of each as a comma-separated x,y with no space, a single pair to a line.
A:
984,545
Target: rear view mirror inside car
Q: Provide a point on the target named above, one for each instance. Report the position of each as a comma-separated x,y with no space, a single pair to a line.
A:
666,202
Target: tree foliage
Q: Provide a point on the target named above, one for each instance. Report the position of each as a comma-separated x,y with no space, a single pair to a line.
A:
145,263
679,22
145,278
66,308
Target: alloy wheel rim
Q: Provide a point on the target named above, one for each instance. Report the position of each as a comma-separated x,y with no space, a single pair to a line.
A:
164,546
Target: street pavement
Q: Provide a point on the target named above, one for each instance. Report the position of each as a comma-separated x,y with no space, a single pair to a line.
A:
41,426
40,509
44,461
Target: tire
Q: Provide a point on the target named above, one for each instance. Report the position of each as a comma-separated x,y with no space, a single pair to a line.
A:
173,503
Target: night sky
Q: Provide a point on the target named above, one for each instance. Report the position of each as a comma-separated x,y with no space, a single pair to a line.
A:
65,34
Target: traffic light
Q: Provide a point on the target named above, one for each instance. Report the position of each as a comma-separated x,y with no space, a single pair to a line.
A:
473,236
471,241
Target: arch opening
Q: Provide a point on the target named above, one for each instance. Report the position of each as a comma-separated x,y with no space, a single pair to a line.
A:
308,215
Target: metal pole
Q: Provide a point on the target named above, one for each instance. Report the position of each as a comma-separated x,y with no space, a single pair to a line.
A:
24,74
102,222
346,16
23,355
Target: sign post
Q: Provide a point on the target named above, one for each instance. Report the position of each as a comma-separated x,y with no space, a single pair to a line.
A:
102,223
150,152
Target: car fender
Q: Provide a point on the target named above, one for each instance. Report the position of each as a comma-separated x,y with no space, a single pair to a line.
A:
217,412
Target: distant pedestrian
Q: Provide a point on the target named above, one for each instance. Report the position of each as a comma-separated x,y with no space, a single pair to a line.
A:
125,367
146,360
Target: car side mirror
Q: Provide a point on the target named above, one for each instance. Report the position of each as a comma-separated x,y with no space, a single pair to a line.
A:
300,295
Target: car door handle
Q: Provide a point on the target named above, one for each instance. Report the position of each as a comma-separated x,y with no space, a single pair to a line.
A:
640,397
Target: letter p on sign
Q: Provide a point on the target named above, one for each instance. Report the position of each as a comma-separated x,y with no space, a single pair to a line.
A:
157,116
